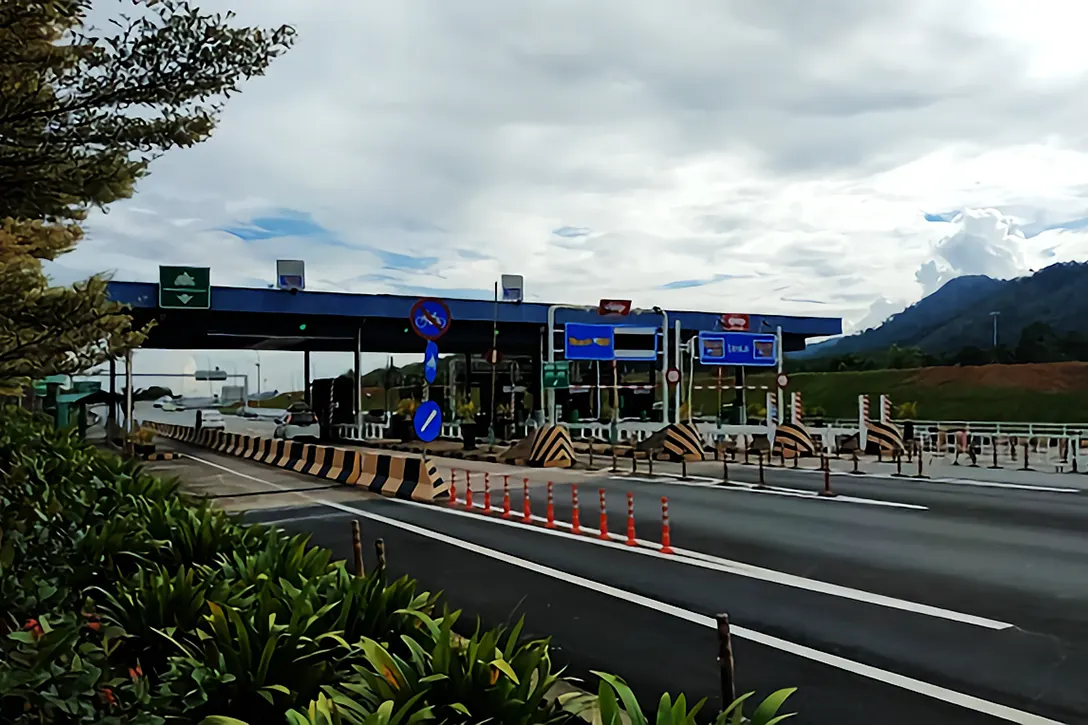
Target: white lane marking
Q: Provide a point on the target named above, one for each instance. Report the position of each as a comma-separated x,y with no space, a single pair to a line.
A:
874,673
706,561
744,487
911,684
728,566
980,483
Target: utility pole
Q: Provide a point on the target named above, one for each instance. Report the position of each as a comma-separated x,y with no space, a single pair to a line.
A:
995,315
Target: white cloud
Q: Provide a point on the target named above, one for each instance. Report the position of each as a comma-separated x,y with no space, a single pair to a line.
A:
787,150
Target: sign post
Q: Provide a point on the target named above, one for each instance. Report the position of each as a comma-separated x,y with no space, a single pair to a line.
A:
430,319
185,288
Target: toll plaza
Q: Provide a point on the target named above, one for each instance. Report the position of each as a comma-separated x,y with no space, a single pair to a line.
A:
599,360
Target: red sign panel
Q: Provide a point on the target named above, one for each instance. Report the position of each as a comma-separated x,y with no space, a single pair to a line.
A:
615,307
735,322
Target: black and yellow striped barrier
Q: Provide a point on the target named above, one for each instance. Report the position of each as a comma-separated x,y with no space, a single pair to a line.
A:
552,447
682,442
885,436
792,440
398,477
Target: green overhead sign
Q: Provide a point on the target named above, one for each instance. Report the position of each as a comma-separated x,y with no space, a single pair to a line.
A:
556,375
185,288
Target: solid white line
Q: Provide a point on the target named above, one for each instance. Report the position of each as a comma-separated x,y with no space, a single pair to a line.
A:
745,487
728,566
707,561
874,673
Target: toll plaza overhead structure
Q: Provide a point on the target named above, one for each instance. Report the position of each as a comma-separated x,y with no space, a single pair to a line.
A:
308,321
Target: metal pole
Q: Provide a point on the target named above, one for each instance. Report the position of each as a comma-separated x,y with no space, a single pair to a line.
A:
128,392
358,398
691,378
780,355
112,415
494,370
664,367
258,372
725,661
676,352
306,375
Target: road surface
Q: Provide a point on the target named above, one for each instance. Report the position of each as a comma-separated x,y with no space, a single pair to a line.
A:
894,602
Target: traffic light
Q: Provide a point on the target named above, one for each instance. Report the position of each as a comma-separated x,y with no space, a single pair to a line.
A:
302,327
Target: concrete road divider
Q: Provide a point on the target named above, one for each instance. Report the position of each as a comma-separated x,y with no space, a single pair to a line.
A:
384,473
552,447
398,477
792,440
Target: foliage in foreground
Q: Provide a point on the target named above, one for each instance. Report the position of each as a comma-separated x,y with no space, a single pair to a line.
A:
123,603
83,112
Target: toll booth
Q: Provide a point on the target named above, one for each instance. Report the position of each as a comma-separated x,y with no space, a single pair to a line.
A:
333,401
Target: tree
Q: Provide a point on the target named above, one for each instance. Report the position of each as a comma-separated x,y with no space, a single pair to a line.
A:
83,112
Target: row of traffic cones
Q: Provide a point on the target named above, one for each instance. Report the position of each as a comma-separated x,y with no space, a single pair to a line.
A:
549,520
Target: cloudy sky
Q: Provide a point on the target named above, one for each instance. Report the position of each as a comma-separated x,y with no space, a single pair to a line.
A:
841,157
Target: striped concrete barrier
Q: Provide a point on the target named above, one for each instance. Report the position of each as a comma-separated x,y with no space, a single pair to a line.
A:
398,477
552,447
886,436
792,440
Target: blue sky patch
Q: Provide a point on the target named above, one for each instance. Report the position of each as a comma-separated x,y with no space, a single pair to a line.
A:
689,283
284,223
471,255
572,232
944,216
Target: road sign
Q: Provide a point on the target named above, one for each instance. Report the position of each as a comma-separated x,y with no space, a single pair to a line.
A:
513,288
672,376
783,380
216,374
493,356
185,288
557,375
428,421
614,307
430,318
430,362
588,342
735,322
737,348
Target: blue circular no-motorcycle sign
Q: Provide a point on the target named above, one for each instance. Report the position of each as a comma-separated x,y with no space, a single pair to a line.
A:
430,318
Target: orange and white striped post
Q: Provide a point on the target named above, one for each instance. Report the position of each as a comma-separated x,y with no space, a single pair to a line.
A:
550,524
487,493
575,514
468,490
604,517
666,535
631,539
527,509
453,487
506,497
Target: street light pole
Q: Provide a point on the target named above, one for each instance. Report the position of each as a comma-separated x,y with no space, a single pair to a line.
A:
995,314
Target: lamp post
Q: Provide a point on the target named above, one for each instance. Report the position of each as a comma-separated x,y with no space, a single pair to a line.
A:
995,314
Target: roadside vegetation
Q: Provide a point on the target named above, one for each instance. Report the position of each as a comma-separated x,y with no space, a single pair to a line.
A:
123,602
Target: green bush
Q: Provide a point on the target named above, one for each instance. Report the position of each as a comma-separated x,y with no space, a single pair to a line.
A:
124,603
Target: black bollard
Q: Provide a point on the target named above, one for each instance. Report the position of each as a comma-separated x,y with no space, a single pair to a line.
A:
615,463
898,464
854,453
782,456
994,448
684,468
762,482
634,461
650,462
725,470
747,455
1027,465
797,458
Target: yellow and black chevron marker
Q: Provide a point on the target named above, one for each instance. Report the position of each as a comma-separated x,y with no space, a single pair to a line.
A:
886,436
793,439
552,448
683,442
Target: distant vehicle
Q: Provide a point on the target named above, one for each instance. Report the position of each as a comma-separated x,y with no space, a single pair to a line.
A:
210,419
297,424
245,411
168,406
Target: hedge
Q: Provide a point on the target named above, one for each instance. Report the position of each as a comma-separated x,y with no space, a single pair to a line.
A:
124,602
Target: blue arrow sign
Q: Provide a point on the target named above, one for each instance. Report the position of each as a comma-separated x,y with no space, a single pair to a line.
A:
428,421
430,362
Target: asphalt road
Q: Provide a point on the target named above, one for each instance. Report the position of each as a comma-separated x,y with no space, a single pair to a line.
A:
990,623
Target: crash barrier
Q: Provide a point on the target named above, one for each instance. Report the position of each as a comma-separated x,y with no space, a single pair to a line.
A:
676,442
793,440
551,447
886,437
384,473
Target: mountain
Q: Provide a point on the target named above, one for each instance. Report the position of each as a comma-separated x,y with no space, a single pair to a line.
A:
958,314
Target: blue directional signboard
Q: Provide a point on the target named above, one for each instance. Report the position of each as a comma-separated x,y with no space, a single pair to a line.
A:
583,341
430,362
738,348
589,341
430,318
428,421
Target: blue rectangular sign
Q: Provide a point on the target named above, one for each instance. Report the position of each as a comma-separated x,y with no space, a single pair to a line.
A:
583,341
738,348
